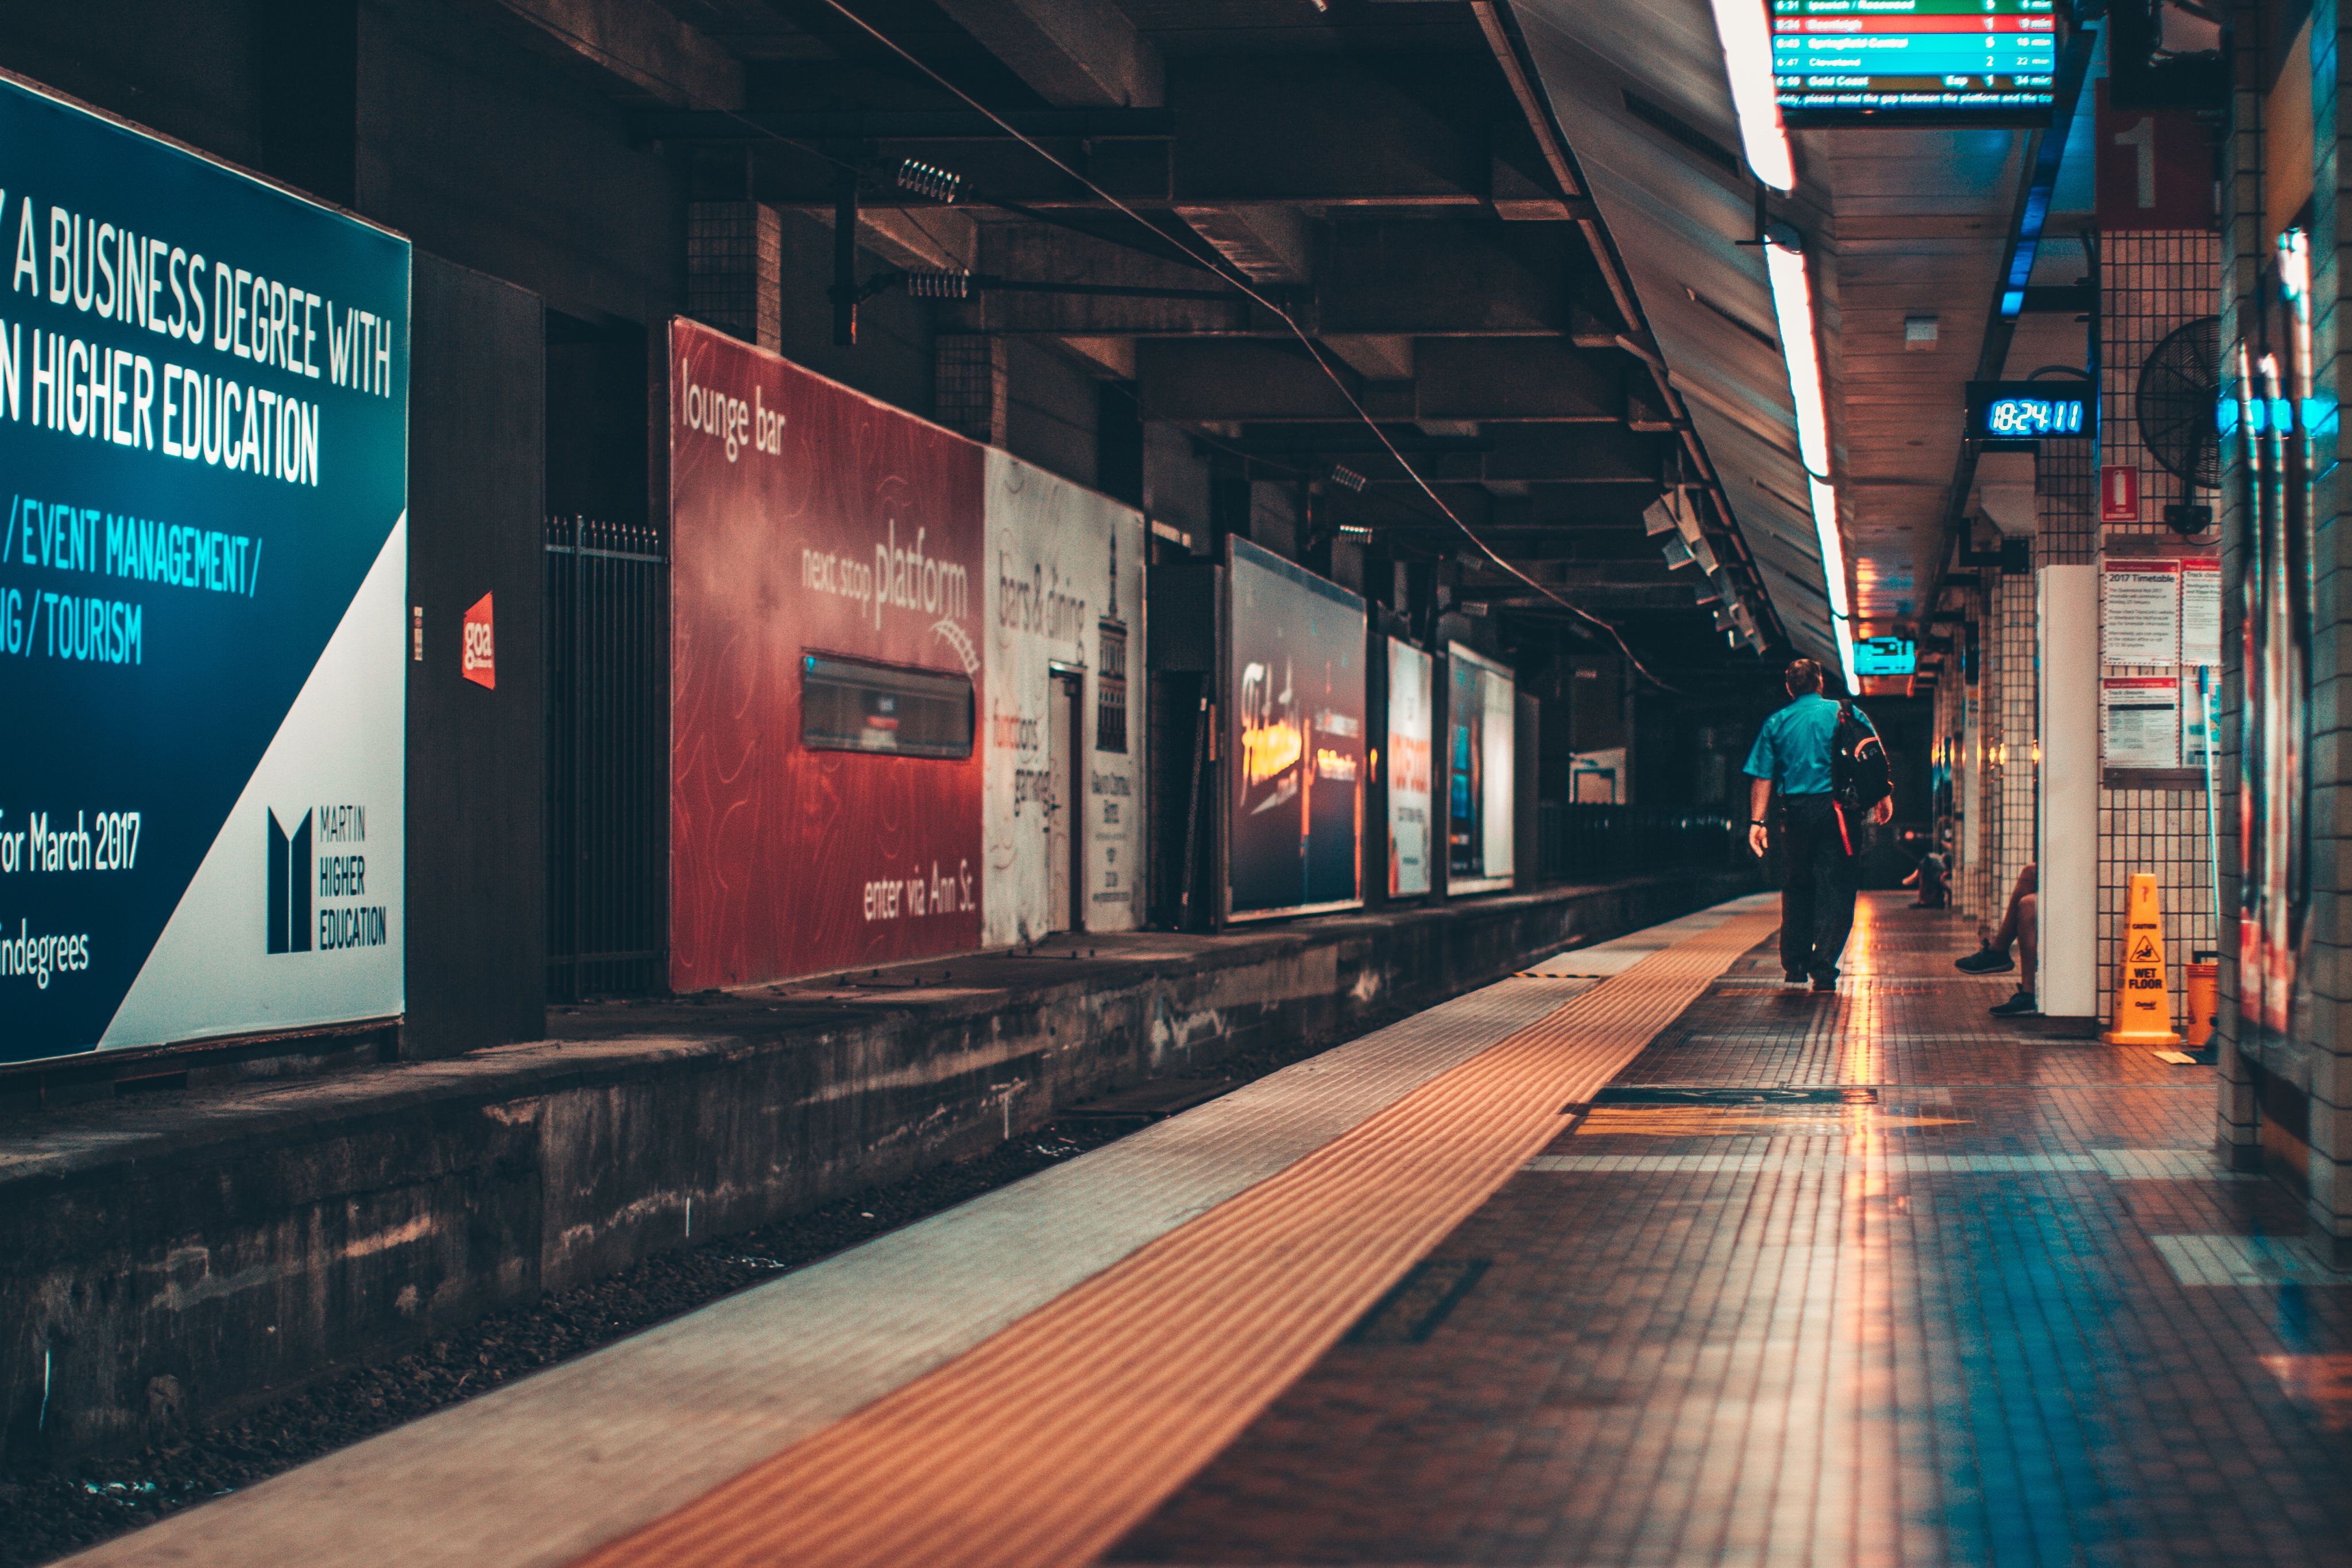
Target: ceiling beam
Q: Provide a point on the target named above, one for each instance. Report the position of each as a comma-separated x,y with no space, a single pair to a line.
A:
1259,381
1069,51
638,44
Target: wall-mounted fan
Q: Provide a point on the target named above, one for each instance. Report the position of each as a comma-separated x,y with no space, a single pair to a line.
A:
2178,399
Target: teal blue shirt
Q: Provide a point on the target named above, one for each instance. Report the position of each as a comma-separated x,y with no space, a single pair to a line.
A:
1792,749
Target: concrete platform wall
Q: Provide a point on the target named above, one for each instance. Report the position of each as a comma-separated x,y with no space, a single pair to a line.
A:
174,1259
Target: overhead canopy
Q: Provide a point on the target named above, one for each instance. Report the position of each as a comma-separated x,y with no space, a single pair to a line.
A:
1897,223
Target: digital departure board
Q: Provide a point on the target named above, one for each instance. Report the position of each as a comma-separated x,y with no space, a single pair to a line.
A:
1838,60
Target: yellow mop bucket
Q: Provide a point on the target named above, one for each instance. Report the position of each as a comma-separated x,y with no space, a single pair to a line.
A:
2201,986
2142,999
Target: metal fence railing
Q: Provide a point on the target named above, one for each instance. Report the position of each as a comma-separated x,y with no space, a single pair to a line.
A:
1594,843
607,759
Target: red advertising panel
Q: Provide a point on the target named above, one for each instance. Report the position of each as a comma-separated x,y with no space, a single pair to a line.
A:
825,676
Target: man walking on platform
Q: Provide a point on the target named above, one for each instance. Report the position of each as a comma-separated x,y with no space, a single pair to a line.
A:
1822,836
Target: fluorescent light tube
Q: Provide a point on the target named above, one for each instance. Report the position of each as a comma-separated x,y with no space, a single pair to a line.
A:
1755,97
1792,306
1825,530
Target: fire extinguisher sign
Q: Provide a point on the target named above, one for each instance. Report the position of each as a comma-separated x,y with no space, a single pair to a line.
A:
2118,495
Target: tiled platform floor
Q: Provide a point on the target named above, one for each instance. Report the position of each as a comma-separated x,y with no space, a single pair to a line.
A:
1991,1303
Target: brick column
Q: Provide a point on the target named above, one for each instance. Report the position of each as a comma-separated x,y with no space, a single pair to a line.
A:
734,265
967,392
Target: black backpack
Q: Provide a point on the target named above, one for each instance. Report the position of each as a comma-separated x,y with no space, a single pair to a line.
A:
1858,772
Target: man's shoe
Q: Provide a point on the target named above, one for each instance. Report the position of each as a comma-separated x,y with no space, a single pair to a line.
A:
1825,980
2021,1005
1794,977
1985,961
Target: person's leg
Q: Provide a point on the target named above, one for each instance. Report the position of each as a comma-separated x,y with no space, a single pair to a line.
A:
2029,949
2004,935
2028,940
1796,893
1993,958
1837,866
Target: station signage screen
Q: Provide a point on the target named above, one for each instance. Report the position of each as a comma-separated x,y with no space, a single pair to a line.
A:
1885,657
1837,60
204,564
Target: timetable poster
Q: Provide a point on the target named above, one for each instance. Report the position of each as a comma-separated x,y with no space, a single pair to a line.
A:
2201,611
2139,721
2140,613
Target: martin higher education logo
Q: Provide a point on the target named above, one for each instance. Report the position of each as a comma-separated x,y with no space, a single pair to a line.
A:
289,886
312,896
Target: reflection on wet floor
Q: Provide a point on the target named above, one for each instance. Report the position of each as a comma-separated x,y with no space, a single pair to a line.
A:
1958,1294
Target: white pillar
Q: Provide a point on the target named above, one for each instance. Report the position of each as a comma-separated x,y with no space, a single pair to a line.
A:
2067,598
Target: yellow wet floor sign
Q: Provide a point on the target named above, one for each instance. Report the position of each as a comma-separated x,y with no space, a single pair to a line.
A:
2143,1000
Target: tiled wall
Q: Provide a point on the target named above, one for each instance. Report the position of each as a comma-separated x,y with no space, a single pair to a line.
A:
2276,1087
2151,283
2012,698
1951,697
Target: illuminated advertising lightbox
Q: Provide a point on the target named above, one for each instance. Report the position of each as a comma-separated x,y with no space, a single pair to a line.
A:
1065,610
1296,738
204,428
829,592
1410,735
1983,61
1481,727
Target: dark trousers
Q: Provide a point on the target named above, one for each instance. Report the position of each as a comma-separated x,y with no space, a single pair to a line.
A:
1821,860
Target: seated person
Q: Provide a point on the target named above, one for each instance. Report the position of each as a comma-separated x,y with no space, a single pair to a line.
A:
2017,926
1929,880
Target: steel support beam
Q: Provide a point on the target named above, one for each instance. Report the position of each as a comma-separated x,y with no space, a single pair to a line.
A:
638,44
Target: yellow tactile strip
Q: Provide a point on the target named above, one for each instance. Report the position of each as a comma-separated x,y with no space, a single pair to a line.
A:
1051,1440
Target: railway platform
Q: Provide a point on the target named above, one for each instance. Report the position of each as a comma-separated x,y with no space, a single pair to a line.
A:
1639,1256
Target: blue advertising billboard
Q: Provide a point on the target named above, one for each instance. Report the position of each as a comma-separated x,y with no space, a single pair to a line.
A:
204,451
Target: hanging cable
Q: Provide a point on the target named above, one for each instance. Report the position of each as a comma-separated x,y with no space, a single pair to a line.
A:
1313,351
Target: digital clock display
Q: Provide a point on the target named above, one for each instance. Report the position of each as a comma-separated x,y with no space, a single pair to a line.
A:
2030,411
2029,417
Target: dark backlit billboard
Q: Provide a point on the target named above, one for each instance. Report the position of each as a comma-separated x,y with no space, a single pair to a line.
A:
1296,736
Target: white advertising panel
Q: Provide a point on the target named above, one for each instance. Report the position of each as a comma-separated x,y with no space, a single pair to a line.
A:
1481,719
1498,822
1410,703
1063,799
